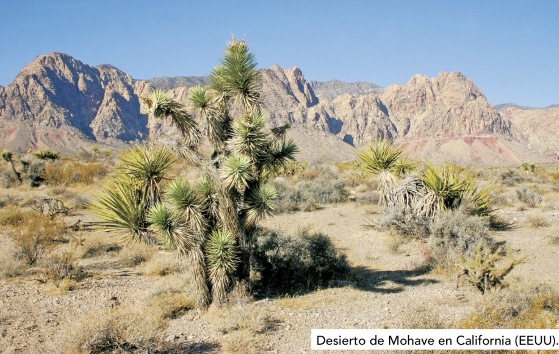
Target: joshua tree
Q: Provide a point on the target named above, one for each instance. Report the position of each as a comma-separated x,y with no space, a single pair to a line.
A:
8,157
213,222
127,201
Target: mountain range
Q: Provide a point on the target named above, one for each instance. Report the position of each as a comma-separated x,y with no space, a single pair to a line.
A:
61,103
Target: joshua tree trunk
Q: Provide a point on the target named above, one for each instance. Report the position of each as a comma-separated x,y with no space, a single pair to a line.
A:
18,175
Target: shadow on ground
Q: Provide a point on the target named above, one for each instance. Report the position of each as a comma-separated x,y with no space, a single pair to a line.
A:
389,281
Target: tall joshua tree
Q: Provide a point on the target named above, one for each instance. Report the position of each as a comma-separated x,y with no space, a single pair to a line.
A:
213,221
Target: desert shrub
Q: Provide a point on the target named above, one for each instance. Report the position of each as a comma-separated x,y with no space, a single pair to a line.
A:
309,174
483,266
134,254
525,308
528,196
95,247
75,173
421,317
35,173
9,179
537,220
291,168
454,234
307,194
173,303
136,329
323,190
162,266
404,222
511,177
297,264
9,200
10,266
32,233
370,197
61,267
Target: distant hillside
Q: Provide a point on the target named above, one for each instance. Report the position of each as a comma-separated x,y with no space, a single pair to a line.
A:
170,83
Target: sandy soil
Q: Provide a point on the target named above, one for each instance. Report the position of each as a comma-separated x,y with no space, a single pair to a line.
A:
32,315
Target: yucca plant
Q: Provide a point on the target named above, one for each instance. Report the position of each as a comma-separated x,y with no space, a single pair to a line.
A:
47,154
213,221
124,206
449,186
382,159
8,157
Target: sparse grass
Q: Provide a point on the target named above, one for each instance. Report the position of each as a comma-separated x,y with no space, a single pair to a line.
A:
242,342
525,308
11,266
422,317
395,241
240,316
9,200
136,253
173,303
537,220
120,330
162,265
73,172
96,247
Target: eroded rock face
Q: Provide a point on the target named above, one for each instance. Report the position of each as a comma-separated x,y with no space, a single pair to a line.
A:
536,128
449,104
59,102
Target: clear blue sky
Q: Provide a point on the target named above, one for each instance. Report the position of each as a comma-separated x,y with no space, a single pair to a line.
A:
510,49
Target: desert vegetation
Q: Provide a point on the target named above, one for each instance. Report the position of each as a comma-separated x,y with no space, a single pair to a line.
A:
236,247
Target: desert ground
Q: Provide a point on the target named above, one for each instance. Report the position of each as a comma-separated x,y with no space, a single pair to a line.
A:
146,292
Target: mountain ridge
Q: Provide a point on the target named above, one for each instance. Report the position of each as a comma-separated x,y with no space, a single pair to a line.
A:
60,102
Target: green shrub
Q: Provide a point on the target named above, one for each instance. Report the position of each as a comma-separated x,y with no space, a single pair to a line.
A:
298,264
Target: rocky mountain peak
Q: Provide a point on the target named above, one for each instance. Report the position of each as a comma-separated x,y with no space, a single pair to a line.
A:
291,80
59,102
